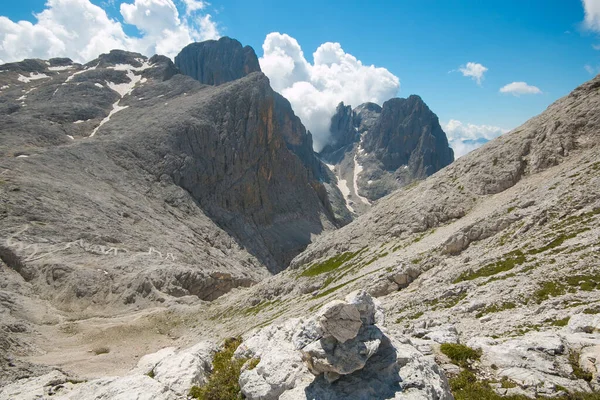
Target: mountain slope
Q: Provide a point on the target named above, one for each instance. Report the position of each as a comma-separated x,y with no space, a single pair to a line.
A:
498,251
124,162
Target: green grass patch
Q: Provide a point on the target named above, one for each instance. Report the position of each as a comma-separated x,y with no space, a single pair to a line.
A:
578,372
494,308
585,283
547,290
223,381
508,262
460,354
559,240
560,322
330,264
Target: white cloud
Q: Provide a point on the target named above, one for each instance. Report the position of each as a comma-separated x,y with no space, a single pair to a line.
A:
474,71
464,138
592,14
314,90
194,5
591,70
519,88
596,46
81,30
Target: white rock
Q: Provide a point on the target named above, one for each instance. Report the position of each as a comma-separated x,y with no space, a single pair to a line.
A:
186,368
339,320
149,361
139,387
587,323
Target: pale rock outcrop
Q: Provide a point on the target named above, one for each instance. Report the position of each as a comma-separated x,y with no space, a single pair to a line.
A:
531,361
586,323
165,375
56,385
186,368
369,364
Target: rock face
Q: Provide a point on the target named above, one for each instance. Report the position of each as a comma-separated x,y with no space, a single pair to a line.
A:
408,134
375,150
343,131
215,62
202,61
348,352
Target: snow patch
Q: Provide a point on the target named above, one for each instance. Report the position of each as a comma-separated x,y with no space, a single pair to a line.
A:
34,76
129,67
343,186
70,137
22,156
61,68
357,170
331,167
99,85
4,87
22,98
125,88
116,109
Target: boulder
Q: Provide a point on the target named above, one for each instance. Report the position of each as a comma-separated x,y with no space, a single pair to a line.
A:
300,359
186,368
340,320
584,323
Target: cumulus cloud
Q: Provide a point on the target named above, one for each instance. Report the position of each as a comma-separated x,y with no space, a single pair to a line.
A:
474,71
592,14
519,88
314,90
81,30
464,138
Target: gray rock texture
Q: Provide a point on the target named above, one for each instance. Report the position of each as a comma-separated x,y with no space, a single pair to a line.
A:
215,62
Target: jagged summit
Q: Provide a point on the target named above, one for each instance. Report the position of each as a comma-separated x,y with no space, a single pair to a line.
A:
215,62
375,150
409,134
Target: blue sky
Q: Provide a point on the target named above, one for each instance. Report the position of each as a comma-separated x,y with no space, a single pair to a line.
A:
422,42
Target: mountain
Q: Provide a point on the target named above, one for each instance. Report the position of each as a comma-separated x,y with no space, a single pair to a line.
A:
124,180
215,62
144,211
375,150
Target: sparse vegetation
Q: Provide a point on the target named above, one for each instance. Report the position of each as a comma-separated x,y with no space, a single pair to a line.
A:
548,289
494,308
330,264
578,372
560,322
223,381
466,386
253,363
460,354
508,262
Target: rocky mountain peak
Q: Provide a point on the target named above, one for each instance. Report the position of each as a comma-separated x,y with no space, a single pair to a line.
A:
409,134
342,129
118,57
215,62
375,150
